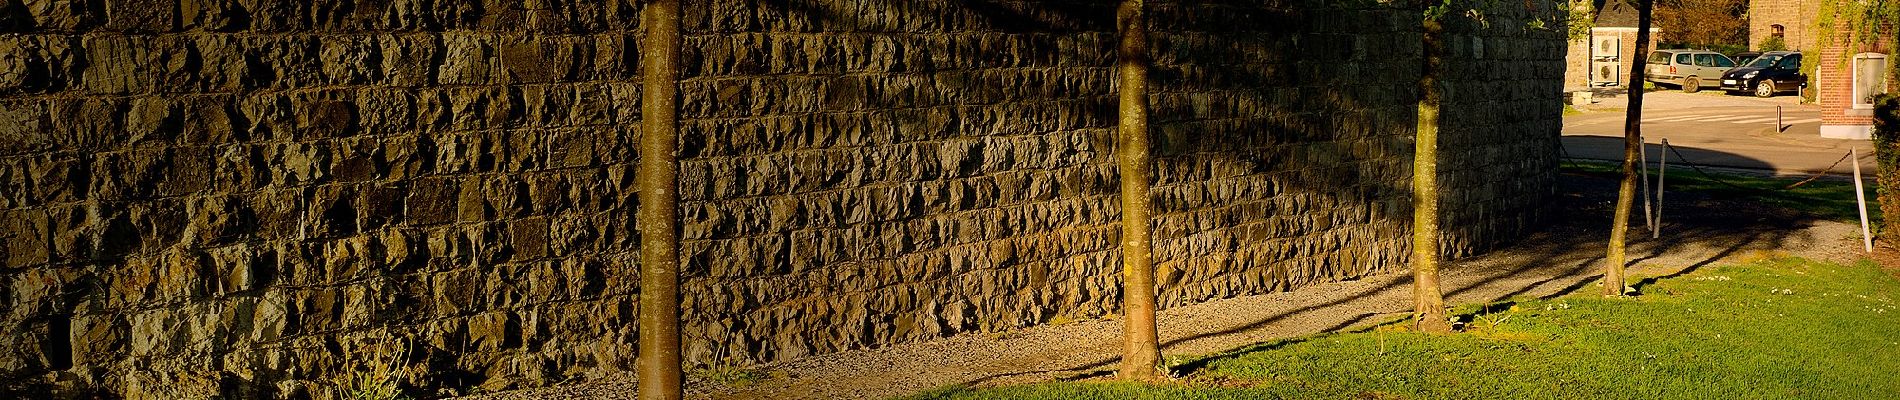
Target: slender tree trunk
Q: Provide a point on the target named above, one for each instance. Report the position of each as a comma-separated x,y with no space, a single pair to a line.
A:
1429,299
657,179
1613,278
1142,358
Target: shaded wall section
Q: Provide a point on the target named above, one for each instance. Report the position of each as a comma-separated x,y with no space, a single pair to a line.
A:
250,197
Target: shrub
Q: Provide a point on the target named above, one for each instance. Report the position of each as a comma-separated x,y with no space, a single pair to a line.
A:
1773,43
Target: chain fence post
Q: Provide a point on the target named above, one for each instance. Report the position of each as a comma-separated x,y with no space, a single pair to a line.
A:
1860,199
1662,170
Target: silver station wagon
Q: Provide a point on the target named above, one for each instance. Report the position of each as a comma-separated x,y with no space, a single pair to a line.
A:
1691,70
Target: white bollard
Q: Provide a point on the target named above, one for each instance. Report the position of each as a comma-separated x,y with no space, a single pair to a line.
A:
1860,197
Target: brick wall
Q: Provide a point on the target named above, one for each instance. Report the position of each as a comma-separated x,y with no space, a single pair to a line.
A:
205,197
1835,89
1835,82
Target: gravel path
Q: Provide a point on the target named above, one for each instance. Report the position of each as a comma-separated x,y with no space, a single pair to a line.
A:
1564,258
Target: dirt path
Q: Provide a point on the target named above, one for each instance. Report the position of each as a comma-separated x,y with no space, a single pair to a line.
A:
1562,259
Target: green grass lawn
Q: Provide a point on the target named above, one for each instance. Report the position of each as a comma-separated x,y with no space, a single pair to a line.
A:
1831,199
1781,328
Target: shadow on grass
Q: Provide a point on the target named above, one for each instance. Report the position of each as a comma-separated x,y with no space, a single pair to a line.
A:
1708,220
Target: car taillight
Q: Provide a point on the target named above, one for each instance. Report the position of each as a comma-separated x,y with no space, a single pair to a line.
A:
1672,69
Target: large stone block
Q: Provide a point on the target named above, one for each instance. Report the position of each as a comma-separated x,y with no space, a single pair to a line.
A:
28,238
140,16
494,331
469,59
119,64
24,126
63,15
211,15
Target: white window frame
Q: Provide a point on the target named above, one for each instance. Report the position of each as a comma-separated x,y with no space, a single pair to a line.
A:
1855,86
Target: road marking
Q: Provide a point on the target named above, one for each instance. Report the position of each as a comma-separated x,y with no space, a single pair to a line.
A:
1728,118
1673,119
1699,118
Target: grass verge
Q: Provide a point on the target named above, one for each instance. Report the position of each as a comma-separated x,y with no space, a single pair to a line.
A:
1822,198
1773,328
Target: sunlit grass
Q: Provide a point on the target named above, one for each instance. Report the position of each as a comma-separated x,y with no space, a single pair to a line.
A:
1777,328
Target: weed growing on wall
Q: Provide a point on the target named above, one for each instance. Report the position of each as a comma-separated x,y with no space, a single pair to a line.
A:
378,376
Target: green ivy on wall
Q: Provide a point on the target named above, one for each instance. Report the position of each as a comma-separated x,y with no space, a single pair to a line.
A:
1581,17
1867,21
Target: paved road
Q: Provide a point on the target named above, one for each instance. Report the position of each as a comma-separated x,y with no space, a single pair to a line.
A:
1717,130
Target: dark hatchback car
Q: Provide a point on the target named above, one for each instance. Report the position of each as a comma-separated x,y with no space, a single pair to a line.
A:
1773,72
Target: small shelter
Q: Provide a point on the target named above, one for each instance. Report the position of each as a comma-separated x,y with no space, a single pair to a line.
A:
1602,60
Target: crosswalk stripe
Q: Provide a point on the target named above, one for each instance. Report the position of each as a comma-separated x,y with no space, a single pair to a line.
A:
1692,118
1713,118
1734,119
1674,118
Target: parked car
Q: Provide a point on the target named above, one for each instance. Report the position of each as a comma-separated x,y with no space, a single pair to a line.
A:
1689,69
1773,72
1743,58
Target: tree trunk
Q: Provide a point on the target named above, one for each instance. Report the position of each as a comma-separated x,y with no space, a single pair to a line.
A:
657,180
1429,300
1142,358
1613,279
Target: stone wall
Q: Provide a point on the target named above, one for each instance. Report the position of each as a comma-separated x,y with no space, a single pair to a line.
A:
1796,18
252,198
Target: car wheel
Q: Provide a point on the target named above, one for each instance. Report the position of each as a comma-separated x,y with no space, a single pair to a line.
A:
1691,85
1765,88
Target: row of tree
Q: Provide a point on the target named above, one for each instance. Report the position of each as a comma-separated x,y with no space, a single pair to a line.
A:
658,184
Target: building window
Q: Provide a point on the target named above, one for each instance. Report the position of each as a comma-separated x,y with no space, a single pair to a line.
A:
1776,30
1870,78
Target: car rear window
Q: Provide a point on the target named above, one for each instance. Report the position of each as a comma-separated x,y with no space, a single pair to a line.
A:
1659,58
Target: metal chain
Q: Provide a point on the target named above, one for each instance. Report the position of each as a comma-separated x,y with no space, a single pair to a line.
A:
1712,177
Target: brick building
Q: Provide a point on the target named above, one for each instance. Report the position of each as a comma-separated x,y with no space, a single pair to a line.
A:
1851,72
1602,59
